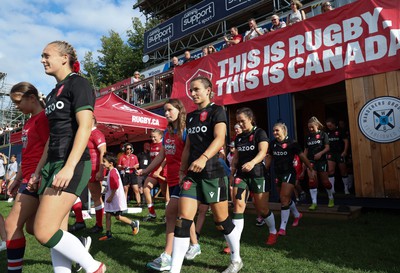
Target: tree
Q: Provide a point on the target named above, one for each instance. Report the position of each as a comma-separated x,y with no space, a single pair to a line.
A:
91,71
115,61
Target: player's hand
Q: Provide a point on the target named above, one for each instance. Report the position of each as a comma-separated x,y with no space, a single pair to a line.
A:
247,167
99,176
198,165
13,188
33,183
62,178
317,156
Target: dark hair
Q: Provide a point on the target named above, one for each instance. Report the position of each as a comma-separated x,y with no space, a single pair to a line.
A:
110,157
27,89
181,117
248,113
206,82
331,120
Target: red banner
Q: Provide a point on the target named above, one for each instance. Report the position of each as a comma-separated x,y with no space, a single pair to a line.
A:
358,39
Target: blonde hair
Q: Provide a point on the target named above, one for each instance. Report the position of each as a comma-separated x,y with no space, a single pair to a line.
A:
315,121
283,126
66,48
297,3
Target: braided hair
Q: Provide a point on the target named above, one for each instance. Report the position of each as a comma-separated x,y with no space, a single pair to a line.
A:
66,48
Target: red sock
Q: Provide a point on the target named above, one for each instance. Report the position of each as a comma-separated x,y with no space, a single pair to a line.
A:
77,208
15,254
151,210
99,216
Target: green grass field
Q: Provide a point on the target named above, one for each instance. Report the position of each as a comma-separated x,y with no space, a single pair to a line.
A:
369,243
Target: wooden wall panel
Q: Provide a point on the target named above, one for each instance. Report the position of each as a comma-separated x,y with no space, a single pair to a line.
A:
376,166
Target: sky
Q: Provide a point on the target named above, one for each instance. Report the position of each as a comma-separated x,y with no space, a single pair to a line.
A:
27,26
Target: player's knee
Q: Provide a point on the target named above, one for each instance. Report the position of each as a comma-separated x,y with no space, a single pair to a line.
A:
182,228
225,226
239,193
312,183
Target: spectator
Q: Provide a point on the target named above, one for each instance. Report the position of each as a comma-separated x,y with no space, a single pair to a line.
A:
174,62
254,31
238,130
3,162
12,170
235,37
188,58
205,51
128,164
211,49
297,15
276,23
326,6
136,77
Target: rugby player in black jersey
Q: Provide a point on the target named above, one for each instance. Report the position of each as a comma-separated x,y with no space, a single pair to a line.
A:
283,150
67,169
203,179
316,148
338,148
247,172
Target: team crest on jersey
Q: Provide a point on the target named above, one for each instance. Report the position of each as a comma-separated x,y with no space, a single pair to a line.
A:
318,136
187,184
237,181
251,137
284,145
203,116
60,90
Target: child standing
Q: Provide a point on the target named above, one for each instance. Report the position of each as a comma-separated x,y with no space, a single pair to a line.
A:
115,198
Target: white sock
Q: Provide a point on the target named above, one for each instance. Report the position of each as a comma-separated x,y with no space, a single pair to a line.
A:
61,264
270,221
330,193
313,193
332,181
293,209
233,240
72,249
239,225
179,249
99,207
285,212
346,184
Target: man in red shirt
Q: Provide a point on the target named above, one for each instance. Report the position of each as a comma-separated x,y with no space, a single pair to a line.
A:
235,37
128,163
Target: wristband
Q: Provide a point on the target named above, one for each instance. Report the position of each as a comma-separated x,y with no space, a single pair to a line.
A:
205,156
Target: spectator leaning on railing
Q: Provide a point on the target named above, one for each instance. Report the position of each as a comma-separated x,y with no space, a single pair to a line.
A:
254,31
326,6
235,37
276,23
